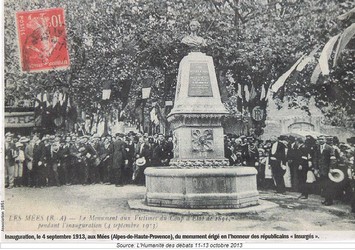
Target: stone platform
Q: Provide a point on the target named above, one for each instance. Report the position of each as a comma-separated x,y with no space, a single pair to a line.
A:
196,188
140,204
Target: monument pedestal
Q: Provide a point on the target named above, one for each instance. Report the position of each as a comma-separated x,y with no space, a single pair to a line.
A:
199,176
201,188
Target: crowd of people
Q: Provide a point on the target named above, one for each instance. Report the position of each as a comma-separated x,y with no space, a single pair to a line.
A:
55,160
307,165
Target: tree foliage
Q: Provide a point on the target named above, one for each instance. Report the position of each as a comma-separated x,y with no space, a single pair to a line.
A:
124,42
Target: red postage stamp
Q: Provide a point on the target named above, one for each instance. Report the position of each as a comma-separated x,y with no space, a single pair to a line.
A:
42,39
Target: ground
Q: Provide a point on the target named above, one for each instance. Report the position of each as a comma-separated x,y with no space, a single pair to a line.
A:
63,208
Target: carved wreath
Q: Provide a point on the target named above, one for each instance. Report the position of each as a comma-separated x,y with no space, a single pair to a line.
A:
202,140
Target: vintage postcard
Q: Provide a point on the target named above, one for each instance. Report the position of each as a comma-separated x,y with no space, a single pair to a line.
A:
178,124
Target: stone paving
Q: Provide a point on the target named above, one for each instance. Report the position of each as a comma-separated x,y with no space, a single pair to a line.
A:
290,214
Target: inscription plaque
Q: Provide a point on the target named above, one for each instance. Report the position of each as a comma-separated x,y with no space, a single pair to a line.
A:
199,80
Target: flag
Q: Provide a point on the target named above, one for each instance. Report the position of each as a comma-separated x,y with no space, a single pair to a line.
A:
154,116
101,127
307,59
126,87
146,93
263,92
38,109
168,103
239,94
304,63
239,98
325,55
45,99
68,104
346,15
61,98
253,92
38,101
55,99
315,74
222,86
343,41
246,93
106,90
71,111
106,93
281,81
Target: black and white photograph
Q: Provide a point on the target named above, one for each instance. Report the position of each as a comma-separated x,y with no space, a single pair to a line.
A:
178,124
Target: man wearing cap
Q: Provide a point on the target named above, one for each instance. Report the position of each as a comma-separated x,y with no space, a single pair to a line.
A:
10,155
278,163
322,165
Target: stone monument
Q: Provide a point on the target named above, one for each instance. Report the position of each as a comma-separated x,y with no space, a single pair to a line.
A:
199,176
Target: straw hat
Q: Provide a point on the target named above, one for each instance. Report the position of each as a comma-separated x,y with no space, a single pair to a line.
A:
336,175
140,161
24,139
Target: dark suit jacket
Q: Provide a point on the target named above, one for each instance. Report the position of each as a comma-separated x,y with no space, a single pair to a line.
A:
118,154
322,159
280,153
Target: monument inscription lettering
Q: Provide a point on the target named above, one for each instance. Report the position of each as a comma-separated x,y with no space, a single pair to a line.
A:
207,185
199,81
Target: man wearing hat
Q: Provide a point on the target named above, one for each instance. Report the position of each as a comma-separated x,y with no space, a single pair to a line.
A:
144,152
28,164
104,154
159,152
278,163
304,164
10,155
53,164
36,162
94,145
322,165
244,149
118,157
128,169
253,154
45,162
19,162
87,154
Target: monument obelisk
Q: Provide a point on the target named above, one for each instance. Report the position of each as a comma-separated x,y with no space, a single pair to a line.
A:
199,176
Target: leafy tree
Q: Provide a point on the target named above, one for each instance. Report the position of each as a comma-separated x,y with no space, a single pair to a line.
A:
125,42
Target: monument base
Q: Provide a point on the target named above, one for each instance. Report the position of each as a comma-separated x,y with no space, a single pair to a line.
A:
201,187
